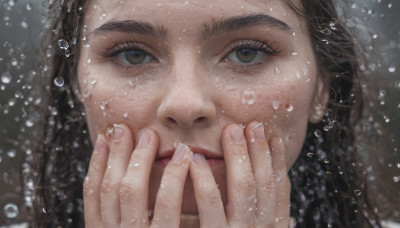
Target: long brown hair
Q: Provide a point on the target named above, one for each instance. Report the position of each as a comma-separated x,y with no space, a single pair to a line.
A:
328,186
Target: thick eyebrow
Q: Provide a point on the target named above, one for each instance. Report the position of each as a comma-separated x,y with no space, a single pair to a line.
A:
132,26
217,27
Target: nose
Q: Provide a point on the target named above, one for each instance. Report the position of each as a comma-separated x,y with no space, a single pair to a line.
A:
186,105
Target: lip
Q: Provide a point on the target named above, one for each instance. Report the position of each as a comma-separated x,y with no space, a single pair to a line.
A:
212,159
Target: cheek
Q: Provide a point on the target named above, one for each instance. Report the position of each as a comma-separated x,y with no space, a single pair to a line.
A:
283,108
107,104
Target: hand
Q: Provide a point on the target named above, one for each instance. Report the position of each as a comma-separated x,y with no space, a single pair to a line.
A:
116,188
257,181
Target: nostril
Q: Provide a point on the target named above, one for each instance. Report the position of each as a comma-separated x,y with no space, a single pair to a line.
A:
171,120
201,119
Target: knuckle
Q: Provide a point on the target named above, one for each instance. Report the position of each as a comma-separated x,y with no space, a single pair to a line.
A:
109,184
209,196
246,183
130,190
267,188
87,186
165,202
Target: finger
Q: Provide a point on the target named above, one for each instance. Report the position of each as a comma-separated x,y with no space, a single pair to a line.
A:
92,184
121,146
282,183
261,162
240,179
135,184
167,209
208,197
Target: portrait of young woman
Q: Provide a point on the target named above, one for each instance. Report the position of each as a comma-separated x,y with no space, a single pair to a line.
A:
207,113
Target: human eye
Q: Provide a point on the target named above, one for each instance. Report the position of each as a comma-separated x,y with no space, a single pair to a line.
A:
129,54
248,52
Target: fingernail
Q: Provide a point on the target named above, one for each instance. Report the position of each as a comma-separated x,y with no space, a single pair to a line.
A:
101,145
180,153
199,158
236,134
144,138
258,132
118,133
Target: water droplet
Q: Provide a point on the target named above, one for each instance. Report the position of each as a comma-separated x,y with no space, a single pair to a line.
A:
248,97
294,53
63,44
275,104
397,85
12,153
396,179
89,60
11,102
277,70
59,81
125,115
103,105
29,6
289,108
29,123
24,24
392,69
6,77
390,5
317,133
136,164
11,210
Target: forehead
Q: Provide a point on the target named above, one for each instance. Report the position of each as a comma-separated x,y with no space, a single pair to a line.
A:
186,13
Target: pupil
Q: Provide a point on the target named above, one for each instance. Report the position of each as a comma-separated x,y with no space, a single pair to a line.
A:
135,56
246,55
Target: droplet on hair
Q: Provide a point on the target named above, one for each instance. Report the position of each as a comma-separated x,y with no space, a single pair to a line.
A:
59,81
11,210
392,69
63,44
317,133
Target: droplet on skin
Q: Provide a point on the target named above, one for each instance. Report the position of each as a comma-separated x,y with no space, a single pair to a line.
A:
125,115
248,97
294,53
298,75
275,105
136,164
289,108
277,70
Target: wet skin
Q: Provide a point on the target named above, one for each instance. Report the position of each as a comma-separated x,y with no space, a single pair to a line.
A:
186,85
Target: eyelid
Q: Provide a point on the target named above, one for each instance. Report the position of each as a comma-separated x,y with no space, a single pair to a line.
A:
258,45
119,47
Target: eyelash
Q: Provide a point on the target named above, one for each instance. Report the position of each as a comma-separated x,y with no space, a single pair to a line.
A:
258,45
255,45
121,47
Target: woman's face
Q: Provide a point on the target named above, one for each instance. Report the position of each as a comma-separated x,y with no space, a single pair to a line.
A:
187,69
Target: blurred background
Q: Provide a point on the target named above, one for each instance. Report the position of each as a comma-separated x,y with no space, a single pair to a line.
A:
375,22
